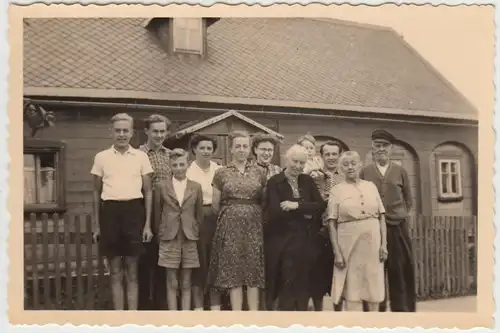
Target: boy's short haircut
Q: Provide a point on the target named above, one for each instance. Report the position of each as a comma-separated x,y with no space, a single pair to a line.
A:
157,118
122,116
178,153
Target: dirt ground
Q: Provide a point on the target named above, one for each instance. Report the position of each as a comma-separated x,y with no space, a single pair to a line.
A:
459,304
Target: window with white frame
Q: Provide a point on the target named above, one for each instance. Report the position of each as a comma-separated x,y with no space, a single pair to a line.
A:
450,184
188,35
43,172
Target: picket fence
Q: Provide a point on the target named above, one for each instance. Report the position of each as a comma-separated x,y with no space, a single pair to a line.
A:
64,271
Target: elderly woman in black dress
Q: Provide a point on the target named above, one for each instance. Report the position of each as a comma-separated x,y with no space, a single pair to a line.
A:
237,259
294,205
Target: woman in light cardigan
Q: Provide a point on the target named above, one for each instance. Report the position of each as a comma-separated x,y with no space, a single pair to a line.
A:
356,221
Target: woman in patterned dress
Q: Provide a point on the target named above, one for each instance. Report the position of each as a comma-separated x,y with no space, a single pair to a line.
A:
237,259
294,205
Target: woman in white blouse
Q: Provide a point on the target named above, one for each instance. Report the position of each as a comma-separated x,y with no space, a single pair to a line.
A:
202,171
357,227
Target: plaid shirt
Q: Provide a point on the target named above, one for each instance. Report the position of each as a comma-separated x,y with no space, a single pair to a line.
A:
160,161
328,181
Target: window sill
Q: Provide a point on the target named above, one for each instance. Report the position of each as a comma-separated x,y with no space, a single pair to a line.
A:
450,199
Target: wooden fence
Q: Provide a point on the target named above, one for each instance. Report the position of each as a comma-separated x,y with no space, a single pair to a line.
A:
63,269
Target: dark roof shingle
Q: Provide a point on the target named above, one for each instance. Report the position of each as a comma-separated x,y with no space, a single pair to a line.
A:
292,59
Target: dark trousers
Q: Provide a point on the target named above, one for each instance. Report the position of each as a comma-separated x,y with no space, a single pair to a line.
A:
399,270
287,302
152,280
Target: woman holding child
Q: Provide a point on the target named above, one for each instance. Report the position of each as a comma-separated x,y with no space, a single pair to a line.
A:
237,258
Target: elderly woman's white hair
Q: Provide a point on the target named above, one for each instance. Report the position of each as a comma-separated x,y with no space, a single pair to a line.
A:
349,154
296,150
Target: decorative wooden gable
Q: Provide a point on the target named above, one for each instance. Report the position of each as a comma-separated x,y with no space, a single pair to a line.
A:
219,127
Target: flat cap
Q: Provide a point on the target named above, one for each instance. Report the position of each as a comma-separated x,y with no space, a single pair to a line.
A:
381,134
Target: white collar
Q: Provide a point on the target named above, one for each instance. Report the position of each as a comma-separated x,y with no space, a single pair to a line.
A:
210,167
383,166
130,150
177,181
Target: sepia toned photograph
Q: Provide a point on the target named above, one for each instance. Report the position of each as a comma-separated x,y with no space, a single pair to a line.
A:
220,164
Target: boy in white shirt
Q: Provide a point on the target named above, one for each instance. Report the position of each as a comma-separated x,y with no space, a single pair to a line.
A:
121,211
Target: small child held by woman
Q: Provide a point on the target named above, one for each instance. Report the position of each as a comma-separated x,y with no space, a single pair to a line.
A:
179,229
314,164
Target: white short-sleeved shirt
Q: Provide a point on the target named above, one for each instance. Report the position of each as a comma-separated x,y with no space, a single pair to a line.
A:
121,173
204,178
351,202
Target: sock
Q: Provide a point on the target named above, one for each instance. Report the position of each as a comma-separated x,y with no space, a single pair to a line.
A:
215,307
198,309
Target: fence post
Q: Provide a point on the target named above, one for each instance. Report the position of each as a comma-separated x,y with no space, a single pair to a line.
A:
79,282
68,221
100,278
45,254
427,258
449,251
421,256
57,260
453,245
464,255
90,262
34,262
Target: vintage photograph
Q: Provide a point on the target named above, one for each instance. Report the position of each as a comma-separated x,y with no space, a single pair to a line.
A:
267,164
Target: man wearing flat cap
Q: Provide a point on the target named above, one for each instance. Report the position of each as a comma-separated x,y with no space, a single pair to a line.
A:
394,187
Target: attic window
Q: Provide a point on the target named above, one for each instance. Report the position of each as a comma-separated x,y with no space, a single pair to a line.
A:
188,35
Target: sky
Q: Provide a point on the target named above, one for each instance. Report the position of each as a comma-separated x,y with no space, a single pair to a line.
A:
458,41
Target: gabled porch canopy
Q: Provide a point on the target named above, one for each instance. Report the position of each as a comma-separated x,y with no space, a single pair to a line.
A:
191,128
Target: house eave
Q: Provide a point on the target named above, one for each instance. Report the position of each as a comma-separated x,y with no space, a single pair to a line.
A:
163,96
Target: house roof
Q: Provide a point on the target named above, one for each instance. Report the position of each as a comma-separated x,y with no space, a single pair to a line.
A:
264,61
202,124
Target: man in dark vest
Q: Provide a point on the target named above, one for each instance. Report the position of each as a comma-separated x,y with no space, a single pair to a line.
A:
394,187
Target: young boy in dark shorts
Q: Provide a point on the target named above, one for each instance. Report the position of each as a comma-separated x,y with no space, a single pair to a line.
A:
179,229
121,212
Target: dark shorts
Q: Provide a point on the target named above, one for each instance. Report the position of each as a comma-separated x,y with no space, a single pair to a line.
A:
122,223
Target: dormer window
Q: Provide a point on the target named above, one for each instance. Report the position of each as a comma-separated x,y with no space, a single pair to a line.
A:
188,35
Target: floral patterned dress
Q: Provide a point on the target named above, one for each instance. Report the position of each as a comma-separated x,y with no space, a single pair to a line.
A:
237,249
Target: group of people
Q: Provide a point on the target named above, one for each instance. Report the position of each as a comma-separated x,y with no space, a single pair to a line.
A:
195,231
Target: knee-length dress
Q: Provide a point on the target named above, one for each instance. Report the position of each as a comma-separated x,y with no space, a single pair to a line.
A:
357,207
238,248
